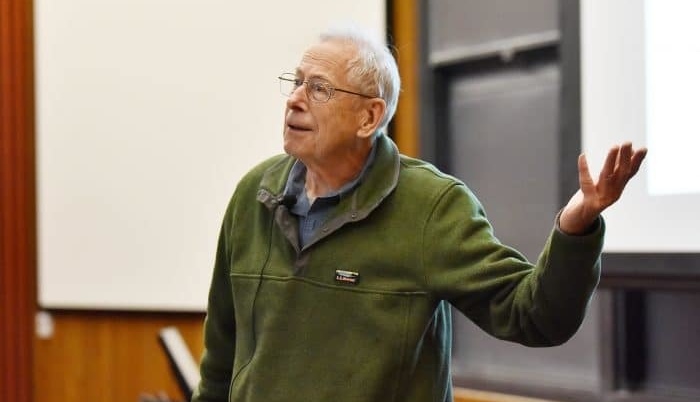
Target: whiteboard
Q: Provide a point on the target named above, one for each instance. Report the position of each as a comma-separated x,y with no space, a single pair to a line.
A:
148,113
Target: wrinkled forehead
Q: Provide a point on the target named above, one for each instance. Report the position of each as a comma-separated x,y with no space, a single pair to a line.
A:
328,59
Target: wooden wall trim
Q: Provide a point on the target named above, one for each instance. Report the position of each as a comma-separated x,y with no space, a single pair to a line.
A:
17,201
404,27
468,395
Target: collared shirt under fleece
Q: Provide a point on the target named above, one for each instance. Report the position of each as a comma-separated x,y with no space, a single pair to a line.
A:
282,326
312,214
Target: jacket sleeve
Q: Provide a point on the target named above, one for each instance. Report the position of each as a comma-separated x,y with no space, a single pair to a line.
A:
216,364
540,304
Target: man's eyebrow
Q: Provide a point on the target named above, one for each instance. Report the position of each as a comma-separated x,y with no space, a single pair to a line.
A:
322,77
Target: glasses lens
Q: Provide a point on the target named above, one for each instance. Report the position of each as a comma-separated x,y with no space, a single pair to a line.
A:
319,91
288,83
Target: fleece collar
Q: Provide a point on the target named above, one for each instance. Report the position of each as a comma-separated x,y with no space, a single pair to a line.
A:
379,182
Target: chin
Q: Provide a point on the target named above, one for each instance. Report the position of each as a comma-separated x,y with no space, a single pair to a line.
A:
290,147
294,144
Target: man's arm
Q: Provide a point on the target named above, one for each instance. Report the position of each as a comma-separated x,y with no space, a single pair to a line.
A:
540,304
537,305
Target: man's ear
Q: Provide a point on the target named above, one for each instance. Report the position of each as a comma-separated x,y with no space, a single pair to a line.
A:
372,114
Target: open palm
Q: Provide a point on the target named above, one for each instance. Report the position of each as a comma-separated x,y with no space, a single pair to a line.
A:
621,164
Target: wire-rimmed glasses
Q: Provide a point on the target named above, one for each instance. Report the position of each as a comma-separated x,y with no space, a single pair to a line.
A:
316,88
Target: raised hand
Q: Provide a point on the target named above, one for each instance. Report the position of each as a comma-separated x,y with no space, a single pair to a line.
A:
621,164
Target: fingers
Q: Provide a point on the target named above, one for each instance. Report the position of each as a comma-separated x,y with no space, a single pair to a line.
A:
628,162
606,173
623,165
637,159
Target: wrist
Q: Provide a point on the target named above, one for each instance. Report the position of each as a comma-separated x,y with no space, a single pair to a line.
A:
577,227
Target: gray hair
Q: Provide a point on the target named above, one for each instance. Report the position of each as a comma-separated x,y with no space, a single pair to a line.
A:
374,67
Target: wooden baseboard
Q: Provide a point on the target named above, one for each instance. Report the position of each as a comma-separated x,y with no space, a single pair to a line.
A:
470,395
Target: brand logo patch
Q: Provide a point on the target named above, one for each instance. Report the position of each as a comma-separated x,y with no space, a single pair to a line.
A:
347,276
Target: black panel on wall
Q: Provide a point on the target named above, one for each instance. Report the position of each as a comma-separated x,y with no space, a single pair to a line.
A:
496,90
501,136
673,354
467,28
503,143
568,373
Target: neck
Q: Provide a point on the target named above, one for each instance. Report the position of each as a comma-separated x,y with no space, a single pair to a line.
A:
330,177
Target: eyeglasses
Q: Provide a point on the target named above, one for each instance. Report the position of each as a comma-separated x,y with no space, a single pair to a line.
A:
317,89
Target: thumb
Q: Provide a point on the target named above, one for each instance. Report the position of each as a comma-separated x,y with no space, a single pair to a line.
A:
584,175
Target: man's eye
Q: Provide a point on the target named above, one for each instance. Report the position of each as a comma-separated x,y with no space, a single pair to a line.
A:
317,87
298,82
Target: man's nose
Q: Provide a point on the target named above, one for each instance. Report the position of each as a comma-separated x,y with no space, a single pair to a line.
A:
298,98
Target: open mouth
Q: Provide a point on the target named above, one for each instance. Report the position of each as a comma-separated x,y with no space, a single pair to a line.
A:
294,127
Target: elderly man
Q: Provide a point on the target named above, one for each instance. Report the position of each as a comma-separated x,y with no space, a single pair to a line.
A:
337,263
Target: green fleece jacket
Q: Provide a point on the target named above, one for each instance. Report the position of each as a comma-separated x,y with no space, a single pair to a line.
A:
361,313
